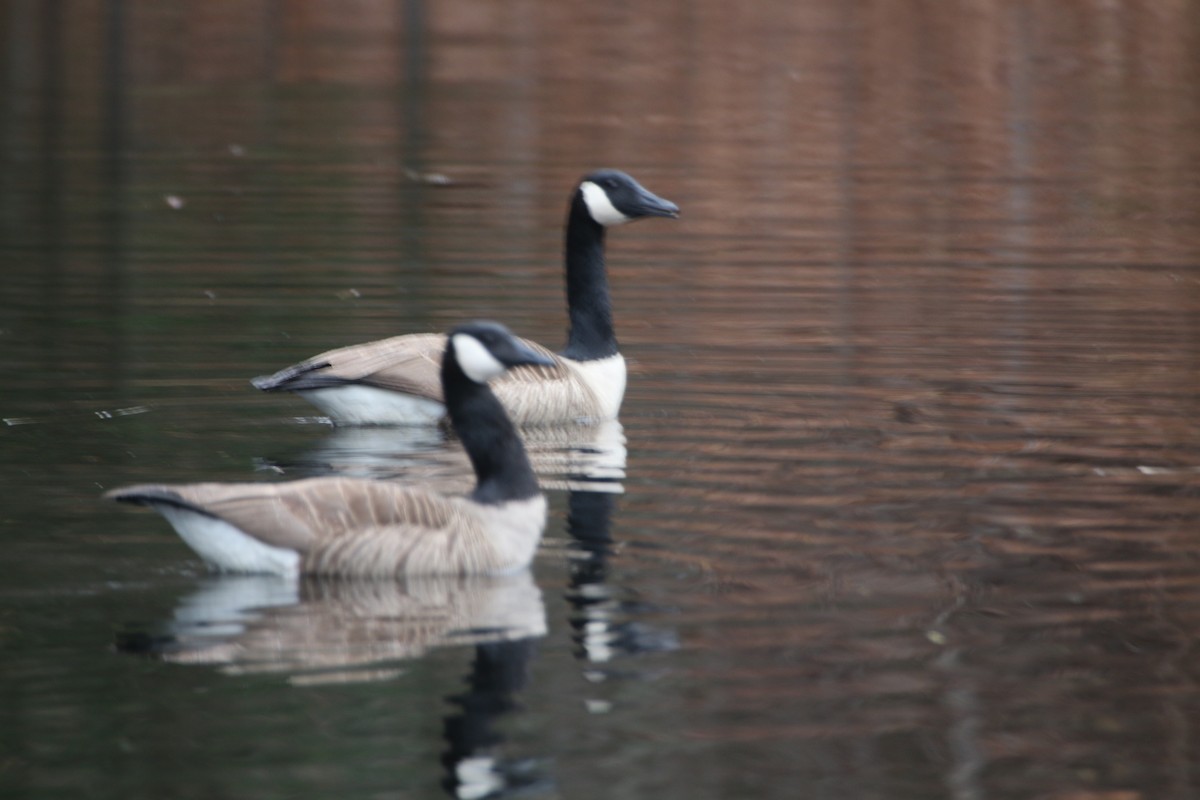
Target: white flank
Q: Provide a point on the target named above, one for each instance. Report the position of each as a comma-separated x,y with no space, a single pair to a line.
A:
227,548
514,529
600,207
606,378
366,405
476,361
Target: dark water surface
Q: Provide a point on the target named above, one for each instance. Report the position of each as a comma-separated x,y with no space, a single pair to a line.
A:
910,449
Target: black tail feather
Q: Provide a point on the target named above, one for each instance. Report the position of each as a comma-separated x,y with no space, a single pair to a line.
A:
149,495
296,378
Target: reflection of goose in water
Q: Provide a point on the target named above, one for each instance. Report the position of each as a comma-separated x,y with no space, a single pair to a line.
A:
320,631
603,628
474,767
567,456
325,630
592,460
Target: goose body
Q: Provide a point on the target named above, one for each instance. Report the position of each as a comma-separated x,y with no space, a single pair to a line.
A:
349,526
395,380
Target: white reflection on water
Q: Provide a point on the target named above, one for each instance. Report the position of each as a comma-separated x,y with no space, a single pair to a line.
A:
587,457
321,631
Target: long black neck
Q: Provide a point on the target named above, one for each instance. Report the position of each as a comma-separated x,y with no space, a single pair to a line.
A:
589,305
502,470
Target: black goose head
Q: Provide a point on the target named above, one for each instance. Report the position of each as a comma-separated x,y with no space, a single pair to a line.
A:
483,350
613,198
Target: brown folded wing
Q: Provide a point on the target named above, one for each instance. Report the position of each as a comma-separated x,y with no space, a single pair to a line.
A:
347,525
412,364
409,364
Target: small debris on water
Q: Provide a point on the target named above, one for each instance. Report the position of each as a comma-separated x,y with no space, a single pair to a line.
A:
174,201
430,178
237,150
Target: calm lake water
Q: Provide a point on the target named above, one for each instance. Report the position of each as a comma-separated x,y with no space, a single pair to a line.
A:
904,499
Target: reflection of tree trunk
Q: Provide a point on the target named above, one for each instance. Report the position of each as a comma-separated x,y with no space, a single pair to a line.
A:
49,218
845,206
1177,724
412,139
961,701
498,672
111,295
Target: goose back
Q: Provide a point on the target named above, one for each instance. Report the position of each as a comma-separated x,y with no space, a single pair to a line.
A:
410,366
347,526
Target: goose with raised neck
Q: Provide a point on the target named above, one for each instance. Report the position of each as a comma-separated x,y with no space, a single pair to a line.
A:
394,381
357,527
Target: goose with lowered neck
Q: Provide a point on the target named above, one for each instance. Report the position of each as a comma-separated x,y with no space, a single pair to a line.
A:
348,526
394,381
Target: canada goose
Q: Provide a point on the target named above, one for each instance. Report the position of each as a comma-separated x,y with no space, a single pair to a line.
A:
348,526
394,381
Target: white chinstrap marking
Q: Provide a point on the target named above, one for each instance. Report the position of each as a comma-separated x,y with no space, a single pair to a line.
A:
600,206
366,405
226,547
476,361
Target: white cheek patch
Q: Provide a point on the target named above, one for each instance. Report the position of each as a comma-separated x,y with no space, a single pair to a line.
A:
600,207
476,361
